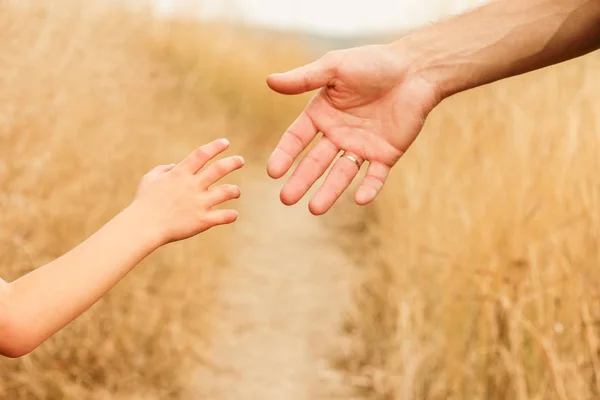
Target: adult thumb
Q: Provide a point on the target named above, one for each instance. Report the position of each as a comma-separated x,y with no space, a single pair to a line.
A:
304,79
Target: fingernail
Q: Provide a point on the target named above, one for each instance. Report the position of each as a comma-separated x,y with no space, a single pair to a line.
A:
241,159
225,142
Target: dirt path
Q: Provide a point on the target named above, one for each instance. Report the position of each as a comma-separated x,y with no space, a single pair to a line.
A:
282,303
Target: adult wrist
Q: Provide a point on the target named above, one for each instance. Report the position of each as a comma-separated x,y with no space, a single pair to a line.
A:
423,64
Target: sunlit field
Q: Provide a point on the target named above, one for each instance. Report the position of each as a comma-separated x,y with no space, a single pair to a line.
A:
474,274
92,98
482,268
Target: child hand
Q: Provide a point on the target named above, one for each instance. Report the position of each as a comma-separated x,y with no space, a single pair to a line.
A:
176,201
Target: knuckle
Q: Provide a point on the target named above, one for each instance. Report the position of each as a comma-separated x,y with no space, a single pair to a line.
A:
315,159
307,82
150,176
221,168
374,182
177,173
152,171
203,219
201,155
295,137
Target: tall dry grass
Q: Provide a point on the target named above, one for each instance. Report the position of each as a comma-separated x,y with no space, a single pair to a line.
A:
91,98
482,272
480,257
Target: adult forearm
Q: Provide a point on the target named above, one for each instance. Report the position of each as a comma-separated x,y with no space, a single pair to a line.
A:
500,40
46,300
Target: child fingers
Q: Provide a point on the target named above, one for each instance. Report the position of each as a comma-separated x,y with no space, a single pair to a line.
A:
161,169
199,158
220,217
220,169
222,194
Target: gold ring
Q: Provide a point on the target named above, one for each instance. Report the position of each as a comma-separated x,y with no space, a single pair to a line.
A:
354,160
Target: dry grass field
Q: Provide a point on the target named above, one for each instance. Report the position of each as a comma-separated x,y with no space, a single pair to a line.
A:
91,99
482,276
474,275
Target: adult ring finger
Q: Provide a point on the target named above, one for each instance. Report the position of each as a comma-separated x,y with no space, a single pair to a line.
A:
352,158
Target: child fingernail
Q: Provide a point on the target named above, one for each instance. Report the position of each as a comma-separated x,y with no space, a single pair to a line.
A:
225,142
242,159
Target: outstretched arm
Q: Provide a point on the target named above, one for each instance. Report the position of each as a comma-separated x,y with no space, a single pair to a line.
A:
373,101
173,203
502,39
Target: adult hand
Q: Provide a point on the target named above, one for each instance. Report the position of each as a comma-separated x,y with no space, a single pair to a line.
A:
369,106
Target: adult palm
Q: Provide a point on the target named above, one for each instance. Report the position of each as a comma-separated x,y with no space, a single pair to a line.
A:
368,106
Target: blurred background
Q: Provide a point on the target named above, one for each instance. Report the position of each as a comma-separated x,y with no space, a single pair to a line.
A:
473,276
331,17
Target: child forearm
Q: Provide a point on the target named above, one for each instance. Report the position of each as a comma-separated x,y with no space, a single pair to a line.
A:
43,302
174,202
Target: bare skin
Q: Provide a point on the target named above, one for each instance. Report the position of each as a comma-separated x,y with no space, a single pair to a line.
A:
372,102
173,203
